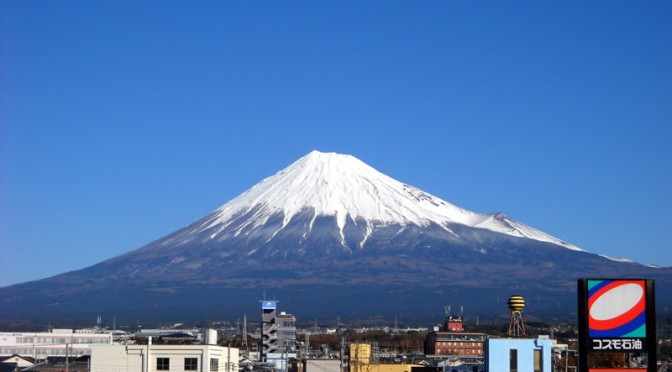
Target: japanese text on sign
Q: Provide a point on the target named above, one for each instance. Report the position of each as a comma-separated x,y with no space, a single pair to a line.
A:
617,344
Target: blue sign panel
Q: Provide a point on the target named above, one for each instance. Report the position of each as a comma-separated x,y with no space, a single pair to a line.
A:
268,305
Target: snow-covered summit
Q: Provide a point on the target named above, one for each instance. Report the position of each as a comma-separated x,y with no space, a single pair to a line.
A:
343,186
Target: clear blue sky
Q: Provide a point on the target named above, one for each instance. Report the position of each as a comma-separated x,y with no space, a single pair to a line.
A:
122,121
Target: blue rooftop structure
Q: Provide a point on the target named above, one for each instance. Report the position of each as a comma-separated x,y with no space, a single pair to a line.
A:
518,355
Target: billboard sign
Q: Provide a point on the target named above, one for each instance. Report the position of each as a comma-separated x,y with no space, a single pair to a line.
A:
617,315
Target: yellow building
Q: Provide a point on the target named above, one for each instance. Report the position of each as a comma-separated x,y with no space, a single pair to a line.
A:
361,361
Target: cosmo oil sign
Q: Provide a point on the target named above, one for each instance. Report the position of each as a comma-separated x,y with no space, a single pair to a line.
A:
617,315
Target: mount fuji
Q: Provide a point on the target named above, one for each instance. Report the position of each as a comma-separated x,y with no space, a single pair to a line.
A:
328,236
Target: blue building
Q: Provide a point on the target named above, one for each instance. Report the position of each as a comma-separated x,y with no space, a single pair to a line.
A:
518,355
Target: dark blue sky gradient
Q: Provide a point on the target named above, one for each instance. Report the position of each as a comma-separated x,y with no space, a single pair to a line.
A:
123,121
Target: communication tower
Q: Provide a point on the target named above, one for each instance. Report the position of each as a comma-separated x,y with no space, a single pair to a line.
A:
516,304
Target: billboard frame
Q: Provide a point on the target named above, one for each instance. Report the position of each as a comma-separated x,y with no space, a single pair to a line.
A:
587,343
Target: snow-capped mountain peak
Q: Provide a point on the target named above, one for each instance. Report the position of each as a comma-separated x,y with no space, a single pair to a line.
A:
326,230
344,187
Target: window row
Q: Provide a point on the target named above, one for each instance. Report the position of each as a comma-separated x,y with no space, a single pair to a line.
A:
454,337
452,343
62,340
459,351
190,364
538,360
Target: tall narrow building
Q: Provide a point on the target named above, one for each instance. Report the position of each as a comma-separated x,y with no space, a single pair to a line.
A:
278,334
269,329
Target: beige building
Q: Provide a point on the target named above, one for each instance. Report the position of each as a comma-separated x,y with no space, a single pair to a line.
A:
174,358
362,360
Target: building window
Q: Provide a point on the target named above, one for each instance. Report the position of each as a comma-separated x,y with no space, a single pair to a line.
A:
538,363
513,360
190,364
214,364
162,364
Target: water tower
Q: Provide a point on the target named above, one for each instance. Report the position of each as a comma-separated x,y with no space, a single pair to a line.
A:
516,304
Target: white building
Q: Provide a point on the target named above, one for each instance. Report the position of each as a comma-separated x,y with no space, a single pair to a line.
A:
321,365
40,345
279,360
174,358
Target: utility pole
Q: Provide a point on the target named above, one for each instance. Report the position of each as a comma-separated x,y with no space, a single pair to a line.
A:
285,354
244,343
228,358
357,356
342,354
307,344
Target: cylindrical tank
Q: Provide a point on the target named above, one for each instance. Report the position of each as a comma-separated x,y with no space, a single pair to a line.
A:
211,337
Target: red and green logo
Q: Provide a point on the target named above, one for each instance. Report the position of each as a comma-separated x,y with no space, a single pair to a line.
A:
616,308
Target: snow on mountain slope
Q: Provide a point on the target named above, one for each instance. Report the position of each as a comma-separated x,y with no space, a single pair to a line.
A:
343,186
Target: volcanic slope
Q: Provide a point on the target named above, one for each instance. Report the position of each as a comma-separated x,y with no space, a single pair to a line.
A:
331,235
